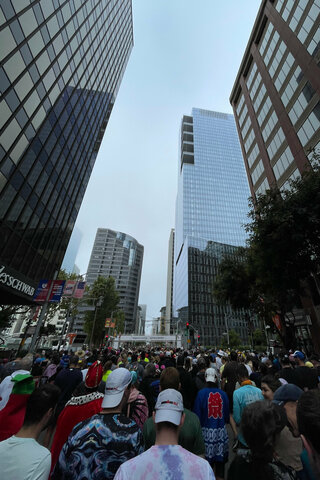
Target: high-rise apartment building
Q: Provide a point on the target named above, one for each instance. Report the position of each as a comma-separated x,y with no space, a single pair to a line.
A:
211,208
61,67
118,255
276,95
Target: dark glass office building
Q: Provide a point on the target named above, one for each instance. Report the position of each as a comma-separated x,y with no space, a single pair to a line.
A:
118,255
61,67
211,209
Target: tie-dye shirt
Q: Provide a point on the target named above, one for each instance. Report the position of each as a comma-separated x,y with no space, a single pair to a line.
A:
97,447
166,462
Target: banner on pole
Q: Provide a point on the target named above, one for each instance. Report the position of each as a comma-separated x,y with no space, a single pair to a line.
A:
56,292
277,321
79,291
108,323
69,288
112,325
42,291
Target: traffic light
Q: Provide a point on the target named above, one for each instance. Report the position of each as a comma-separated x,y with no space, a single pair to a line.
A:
187,325
107,337
198,338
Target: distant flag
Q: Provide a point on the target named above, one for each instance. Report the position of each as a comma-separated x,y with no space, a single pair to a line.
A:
69,288
79,291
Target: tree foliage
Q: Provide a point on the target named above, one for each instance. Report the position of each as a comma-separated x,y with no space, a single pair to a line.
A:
234,339
282,254
104,290
8,312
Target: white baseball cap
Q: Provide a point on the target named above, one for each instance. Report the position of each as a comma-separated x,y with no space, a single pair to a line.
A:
169,407
211,375
116,383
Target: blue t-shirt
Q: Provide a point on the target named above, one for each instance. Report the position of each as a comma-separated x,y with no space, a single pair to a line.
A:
242,397
212,407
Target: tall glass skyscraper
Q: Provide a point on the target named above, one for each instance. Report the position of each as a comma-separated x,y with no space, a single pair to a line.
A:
61,67
211,209
118,255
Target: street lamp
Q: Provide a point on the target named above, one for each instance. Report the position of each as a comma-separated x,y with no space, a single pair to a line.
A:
99,302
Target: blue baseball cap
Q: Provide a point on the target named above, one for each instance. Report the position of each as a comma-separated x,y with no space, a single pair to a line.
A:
287,393
299,355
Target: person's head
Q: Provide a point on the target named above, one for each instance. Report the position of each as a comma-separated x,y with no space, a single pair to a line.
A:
187,363
74,361
299,357
242,373
308,417
269,384
170,378
117,389
288,396
168,415
260,423
134,357
26,362
211,377
41,405
180,361
233,356
150,370
201,363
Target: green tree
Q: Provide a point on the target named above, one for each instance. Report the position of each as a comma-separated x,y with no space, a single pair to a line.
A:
259,337
119,319
103,289
234,339
281,263
8,312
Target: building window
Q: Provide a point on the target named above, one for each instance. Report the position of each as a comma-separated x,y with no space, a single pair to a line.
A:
293,176
271,123
284,71
292,86
301,103
264,186
243,115
264,111
257,172
276,143
265,39
253,155
251,75
310,126
249,141
259,98
284,162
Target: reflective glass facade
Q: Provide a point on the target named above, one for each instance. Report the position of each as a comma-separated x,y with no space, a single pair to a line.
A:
211,209
61,67
118,255
277,92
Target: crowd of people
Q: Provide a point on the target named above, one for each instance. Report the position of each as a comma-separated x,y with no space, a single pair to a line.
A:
160,414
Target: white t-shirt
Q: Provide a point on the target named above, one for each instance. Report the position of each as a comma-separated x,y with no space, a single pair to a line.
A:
24,459
166,461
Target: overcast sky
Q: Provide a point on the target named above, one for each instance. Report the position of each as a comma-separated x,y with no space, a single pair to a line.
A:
186,54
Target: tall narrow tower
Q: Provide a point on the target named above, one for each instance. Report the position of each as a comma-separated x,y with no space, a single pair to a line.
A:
211,208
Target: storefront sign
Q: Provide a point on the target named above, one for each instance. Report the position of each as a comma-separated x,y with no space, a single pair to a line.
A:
10,281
